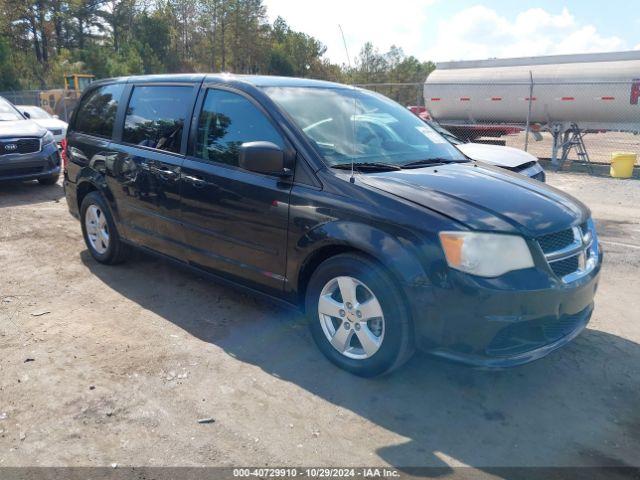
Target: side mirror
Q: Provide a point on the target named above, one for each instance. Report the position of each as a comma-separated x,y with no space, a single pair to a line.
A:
263,157
26,114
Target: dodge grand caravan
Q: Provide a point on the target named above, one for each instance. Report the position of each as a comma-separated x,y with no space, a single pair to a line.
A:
339,201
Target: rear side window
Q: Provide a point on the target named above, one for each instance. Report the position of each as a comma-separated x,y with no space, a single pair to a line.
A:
228,120
156,115
97,112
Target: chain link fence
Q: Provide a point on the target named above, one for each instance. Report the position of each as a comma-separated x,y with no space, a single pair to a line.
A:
59,102
562,122
559,121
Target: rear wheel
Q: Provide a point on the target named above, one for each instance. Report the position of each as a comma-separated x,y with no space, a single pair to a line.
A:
99,230
357,316
50,180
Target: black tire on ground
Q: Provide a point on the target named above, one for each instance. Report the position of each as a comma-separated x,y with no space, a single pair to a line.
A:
117,250
398,342
50,180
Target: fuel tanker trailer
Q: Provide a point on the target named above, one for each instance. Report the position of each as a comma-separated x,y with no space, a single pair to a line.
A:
567,95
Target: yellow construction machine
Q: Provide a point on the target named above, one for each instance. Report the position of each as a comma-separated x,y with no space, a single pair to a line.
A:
62,101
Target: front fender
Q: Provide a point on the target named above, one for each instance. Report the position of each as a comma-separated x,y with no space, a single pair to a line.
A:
395,250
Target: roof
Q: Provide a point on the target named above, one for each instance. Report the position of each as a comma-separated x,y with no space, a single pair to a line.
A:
542,60
273,81
255,80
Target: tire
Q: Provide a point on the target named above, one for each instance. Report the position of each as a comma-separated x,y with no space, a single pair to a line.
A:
108,249
390,343
50,180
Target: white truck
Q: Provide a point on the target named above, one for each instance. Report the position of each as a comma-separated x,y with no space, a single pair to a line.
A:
567,95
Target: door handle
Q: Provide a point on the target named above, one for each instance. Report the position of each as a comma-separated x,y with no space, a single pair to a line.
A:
164,172
195,181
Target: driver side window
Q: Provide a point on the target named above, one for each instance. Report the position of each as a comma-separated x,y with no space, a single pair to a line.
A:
228,120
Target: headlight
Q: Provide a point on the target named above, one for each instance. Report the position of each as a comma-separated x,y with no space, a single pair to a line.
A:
48,139
485,254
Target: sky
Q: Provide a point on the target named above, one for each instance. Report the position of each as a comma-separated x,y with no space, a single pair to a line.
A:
441,30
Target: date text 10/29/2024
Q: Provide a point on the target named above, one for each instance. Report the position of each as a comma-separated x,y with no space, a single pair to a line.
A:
374,472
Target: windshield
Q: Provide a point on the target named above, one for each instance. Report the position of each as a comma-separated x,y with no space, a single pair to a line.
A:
351,125
8,112
36,112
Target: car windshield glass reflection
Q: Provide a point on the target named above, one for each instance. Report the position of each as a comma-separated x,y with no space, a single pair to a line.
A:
352,125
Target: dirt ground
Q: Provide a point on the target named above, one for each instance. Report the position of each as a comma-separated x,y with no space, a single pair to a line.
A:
116,365
599,146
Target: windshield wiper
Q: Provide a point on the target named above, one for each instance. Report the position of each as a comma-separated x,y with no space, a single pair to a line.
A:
430,162
370,166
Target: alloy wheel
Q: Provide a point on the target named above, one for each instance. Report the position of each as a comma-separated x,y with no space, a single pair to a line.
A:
351,317
97,229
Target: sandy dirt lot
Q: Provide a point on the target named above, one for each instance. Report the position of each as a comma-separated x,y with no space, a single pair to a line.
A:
116,365
599,146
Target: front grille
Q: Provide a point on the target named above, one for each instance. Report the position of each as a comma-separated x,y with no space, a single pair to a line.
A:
19,145
525,336
566,324
556,241
565,266
571,253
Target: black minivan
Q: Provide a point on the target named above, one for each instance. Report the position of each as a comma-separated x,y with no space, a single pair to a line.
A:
341,202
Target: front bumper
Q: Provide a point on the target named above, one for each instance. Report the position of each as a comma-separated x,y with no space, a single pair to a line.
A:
497,323
32,166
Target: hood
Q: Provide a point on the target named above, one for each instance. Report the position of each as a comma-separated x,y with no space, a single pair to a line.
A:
498,155
21,128
483,197
51,123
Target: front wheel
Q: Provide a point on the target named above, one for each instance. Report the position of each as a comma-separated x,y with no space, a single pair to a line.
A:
358,317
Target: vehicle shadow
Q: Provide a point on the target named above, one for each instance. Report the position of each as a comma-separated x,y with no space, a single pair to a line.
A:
577,407
15,194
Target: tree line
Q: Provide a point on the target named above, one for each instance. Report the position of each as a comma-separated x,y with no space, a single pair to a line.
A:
42,40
